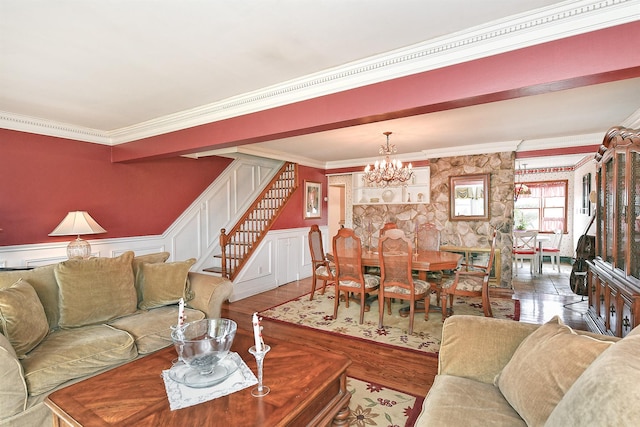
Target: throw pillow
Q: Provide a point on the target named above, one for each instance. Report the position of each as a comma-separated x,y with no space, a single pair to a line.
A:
544,367
157,258
22,317
607,393
95,290
164,284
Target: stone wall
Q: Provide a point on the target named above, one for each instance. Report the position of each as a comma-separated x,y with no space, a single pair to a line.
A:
368,219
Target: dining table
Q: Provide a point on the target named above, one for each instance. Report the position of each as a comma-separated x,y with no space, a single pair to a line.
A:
423,261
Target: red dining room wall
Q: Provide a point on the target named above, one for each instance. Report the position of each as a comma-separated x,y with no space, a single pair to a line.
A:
293,214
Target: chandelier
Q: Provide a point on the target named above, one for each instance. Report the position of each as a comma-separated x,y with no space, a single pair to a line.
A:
387,172
521,189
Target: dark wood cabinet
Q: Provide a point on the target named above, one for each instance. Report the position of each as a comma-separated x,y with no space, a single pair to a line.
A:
614,274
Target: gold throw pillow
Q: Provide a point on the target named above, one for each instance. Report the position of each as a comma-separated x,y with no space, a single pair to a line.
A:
544,367
165,284
22,317
95,290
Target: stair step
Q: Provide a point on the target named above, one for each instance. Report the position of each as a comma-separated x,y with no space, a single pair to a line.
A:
228,256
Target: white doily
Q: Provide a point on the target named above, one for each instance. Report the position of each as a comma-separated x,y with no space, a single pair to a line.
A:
181,396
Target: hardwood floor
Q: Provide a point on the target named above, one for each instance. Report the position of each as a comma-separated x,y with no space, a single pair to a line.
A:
540,299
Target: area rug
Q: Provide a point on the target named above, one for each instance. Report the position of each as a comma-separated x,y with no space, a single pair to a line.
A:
426,337
376,405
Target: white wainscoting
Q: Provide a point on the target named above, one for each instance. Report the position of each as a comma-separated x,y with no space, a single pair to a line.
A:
282,256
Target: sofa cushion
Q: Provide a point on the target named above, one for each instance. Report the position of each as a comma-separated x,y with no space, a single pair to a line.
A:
151,329
165,284
22,317
13,391
95,290
457,401
607,392
544,367
155,258
67,354
43,280
479,347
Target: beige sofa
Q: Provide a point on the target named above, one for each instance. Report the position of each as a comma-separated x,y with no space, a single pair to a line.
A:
64,322
503,373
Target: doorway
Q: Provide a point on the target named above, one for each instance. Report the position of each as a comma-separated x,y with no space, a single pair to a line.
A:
335,210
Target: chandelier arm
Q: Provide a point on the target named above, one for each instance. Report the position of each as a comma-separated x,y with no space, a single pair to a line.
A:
388,172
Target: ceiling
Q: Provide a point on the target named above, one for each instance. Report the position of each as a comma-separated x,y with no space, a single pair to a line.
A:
102,68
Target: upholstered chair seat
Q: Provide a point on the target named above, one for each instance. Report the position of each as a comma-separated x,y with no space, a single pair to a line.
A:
420,287
370,282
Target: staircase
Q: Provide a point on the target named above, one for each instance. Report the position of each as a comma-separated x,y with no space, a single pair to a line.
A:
238,245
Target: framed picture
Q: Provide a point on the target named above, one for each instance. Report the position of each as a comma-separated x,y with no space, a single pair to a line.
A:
312,199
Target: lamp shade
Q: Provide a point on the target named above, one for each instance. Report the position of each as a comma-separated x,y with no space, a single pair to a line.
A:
76,224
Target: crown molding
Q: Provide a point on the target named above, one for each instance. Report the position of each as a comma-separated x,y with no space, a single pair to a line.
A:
52,128
561,142
470,150
515,32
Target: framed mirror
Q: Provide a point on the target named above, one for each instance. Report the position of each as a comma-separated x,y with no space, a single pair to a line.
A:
469,198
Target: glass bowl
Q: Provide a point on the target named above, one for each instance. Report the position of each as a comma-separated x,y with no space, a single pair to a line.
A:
202,345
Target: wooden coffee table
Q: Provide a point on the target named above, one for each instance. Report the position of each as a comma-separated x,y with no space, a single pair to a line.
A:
308,387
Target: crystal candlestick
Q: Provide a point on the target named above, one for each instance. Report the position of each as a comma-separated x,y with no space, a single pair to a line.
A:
260,389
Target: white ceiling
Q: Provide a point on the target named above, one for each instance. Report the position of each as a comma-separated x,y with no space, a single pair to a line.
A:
111,65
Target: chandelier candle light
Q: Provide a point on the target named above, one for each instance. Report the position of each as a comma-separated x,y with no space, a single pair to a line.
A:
521,189
387,172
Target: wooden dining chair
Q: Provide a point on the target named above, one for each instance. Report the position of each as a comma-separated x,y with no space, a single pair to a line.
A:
388,226
470,280
427,237
525,246
347,253
396,253
320,265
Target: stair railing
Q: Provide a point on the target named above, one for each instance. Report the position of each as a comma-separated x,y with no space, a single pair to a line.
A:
238,245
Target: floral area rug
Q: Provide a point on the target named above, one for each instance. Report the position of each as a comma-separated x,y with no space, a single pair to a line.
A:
376,405
318,314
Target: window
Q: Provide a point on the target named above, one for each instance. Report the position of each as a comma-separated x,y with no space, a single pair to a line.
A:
545,209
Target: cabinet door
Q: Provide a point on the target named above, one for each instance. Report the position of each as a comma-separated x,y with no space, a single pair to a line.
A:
609,215
591,289
621,213
634,226
601,308
611,304
627,318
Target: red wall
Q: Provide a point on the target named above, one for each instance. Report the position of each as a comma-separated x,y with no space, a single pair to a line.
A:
42,178
293,214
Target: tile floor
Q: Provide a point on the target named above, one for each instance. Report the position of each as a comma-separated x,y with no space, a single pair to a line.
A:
549,282
545,295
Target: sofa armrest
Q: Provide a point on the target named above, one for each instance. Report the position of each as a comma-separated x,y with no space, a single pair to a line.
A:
479,347
209,293
13,389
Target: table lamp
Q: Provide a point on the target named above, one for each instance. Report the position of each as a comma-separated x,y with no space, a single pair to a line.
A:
76,224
